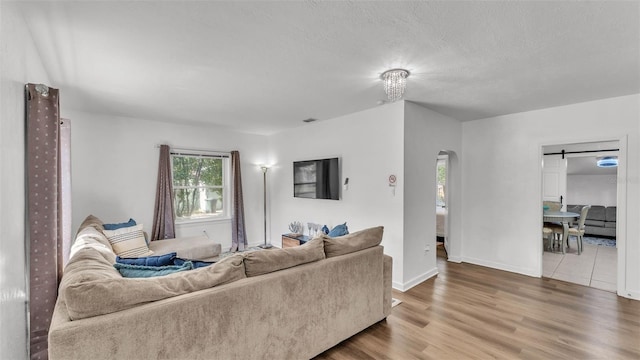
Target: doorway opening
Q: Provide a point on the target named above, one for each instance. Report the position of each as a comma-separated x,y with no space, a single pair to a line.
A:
573,179
442,199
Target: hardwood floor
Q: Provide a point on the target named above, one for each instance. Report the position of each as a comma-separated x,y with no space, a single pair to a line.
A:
473,312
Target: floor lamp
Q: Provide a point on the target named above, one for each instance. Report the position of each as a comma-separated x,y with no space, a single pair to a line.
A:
264,191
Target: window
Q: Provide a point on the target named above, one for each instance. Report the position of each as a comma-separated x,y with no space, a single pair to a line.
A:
441,181
200,186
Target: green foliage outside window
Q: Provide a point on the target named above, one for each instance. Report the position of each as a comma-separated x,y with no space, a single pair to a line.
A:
441,179
197,184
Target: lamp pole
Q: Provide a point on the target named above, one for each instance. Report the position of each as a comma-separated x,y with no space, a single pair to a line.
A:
264,202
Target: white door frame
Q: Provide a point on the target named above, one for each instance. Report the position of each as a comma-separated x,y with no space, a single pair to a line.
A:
621,198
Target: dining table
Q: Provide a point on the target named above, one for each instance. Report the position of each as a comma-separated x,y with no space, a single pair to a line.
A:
563,217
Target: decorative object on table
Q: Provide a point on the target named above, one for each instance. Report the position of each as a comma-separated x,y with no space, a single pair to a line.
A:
339,230
325,229
313,229
296,228
264,199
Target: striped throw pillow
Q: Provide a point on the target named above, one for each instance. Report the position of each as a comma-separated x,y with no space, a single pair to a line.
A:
128,242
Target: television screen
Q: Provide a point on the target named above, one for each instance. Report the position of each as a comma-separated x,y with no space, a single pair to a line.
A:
316,179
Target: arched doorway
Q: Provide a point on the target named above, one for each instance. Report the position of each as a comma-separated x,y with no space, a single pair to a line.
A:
442,175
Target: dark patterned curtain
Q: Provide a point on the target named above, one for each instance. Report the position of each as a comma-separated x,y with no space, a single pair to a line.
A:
238,232
164,222
46,203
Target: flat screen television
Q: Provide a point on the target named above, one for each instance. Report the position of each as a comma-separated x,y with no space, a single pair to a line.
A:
317,179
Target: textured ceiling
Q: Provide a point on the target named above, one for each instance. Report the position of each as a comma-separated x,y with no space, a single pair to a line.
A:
264,66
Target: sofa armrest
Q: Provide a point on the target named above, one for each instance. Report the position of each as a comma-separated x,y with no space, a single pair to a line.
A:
387,280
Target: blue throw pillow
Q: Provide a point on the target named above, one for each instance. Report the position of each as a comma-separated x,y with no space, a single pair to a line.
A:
160,260
129,223
139,271
196,263
325,229
339,230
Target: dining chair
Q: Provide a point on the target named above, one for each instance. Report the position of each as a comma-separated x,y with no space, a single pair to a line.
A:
552,205
547,234
554,226
578,231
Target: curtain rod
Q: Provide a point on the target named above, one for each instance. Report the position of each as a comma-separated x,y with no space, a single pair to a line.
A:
563,153
197,152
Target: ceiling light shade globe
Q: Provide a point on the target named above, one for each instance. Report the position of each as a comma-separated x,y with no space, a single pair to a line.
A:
395,82
607,161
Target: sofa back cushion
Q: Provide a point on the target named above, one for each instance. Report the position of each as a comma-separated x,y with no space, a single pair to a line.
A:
266,261
596,213
91,286
90,237
91,221
574,208
610,214
353,242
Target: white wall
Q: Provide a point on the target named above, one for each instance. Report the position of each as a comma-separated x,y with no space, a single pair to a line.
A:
502,181
426,133
592,190
115,167
370,145
21,64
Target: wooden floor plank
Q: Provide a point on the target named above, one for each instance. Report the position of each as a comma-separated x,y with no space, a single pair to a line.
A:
472,312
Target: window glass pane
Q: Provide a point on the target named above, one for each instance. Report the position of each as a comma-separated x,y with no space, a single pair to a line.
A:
198,186
197,171
441,180
194,203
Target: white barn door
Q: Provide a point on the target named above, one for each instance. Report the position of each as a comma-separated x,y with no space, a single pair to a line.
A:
554,179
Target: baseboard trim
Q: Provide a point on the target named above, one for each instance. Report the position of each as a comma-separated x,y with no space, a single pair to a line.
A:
500,266
415,281
633,295
455,259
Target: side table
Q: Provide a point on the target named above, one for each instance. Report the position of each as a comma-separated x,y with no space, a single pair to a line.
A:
291,240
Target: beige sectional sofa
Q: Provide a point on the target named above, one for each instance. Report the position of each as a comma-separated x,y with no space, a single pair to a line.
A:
289,303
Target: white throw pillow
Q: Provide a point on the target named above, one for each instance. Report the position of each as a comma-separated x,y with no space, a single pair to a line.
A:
128,242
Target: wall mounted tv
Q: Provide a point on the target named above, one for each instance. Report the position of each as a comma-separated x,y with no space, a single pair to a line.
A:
317,179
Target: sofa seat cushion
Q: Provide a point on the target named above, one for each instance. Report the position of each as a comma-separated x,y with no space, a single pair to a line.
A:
267,261
91,286
596,213
596,223
610,224
353,242
194,247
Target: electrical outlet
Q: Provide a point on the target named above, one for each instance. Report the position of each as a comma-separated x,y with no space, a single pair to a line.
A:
427,248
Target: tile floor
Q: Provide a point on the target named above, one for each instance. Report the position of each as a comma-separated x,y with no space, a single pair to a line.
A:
596,267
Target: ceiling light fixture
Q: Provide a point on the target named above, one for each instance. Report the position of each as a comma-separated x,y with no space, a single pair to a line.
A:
607,161
395,82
